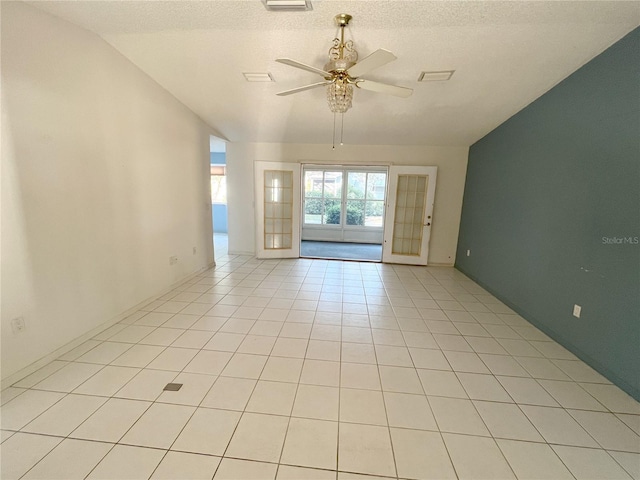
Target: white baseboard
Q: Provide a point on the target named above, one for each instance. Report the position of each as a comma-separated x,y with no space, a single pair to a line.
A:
241,253
28,370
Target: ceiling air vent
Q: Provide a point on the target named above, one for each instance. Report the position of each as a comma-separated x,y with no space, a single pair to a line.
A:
288,5
257,77
435,76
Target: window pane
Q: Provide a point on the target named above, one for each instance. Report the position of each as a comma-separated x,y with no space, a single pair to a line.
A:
218,189
313,210
356,184
333,184
376,186
332,212
355,212
373,214
313,183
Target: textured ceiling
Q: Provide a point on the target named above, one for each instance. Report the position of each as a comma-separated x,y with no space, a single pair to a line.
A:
506,54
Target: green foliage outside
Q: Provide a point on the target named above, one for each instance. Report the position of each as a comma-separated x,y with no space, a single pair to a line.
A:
375,209
314,205
355,216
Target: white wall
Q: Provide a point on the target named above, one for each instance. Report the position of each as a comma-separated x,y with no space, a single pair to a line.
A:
451,163
104,176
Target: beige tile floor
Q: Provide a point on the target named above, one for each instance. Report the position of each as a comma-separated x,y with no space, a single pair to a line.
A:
309,369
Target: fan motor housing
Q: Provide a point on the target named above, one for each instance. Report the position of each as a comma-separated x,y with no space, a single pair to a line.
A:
339,65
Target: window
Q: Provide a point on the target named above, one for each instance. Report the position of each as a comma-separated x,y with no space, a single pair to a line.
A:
365,194
356,202
218,184
322,197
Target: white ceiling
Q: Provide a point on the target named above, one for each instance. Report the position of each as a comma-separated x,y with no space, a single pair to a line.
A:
505,54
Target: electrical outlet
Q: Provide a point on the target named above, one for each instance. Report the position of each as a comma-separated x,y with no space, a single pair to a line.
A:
18,325
173,260
576,310
195,250
468,253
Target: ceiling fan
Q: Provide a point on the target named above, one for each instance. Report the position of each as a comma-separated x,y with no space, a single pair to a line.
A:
343,72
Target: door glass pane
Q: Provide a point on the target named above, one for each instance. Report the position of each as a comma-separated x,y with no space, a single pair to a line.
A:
278,198
409,215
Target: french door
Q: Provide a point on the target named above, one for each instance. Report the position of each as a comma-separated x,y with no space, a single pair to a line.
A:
277,194
409,214
407,217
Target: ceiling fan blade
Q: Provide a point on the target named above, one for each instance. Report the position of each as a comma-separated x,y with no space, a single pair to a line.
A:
375,60
302,89
384,88
309,68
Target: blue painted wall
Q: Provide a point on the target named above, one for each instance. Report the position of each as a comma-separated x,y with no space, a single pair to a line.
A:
218,210
218,158
219,213
551,213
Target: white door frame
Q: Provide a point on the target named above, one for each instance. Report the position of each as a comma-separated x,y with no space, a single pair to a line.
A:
425,222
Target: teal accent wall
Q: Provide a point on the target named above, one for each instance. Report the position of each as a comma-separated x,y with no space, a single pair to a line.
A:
551,213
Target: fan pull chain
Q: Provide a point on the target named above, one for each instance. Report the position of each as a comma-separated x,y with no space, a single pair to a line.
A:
341,128
333,147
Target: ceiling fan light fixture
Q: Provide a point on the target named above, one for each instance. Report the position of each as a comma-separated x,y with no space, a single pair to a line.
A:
342,56
441,76
339,96
288,5
343,72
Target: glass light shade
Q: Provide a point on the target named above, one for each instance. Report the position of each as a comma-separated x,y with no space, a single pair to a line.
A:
339,96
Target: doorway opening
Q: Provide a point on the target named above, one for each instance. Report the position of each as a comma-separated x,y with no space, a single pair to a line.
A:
283,203
218,174
343,212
